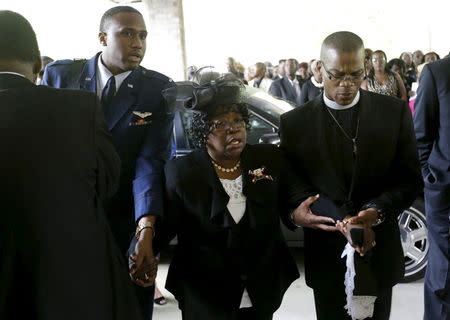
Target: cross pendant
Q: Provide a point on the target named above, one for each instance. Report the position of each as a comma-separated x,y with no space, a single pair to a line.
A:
355,148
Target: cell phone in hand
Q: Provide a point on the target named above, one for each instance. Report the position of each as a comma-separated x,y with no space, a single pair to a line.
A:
357,236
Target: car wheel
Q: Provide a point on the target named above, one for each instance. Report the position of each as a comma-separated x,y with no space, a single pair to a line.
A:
413,232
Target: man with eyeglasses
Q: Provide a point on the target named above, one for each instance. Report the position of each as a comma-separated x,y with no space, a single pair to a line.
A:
353,156
141,126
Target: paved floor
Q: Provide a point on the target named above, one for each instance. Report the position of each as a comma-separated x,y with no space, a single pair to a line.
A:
298,302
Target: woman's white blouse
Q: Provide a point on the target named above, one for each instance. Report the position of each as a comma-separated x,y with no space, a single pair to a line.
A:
236,205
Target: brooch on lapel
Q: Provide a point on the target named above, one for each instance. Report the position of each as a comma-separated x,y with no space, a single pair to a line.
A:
258,174
141,118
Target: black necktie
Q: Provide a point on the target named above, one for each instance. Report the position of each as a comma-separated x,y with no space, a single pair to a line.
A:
108,93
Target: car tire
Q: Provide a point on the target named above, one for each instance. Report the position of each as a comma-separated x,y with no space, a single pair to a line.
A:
414,238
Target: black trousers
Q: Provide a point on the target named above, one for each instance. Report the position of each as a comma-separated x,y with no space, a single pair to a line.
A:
437,277
145,299
242,314
250,314
330,302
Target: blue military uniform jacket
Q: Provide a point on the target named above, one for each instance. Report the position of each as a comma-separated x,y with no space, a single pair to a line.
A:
142,128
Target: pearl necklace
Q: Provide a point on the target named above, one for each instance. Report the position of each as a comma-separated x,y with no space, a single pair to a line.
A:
225,169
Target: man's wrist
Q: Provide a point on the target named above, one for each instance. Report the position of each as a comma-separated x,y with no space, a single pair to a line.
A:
292,216
144,225
146,234
380,213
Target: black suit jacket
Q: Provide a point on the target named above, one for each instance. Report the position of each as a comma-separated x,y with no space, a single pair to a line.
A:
387,174
431,117
198,215
309,92
57,162
283,89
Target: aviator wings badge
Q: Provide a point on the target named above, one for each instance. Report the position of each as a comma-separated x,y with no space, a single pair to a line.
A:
142,115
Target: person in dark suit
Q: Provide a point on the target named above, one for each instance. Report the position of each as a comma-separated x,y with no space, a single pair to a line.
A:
357,150
58,256
224,206
433,136
288,87
139,121
313,87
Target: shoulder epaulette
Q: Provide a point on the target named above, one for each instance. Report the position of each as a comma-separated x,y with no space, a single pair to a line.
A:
155,75
67,62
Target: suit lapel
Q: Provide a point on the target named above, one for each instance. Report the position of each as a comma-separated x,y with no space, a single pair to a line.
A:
87,78
363,140
219,212
124,99
250,189
289,89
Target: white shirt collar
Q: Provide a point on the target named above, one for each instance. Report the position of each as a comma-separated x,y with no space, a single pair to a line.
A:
333,105
103,75
14,73
292,81
315,83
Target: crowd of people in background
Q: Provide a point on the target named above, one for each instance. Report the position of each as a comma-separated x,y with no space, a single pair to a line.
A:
396,77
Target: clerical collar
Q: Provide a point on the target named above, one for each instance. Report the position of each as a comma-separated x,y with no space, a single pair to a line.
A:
14,73
333,105
315,83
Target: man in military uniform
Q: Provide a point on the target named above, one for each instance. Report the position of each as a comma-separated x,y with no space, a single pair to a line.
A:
141,126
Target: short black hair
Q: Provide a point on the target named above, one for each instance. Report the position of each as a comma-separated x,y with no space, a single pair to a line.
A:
431,53
107,16
17,38
46,59
399,63
344,41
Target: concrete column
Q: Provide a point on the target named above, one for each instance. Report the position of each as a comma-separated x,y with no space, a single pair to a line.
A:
166,50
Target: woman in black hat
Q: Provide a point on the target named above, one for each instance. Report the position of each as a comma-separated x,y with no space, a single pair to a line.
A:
231,261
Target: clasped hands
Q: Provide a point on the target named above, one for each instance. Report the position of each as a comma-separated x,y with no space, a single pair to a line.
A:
142,263
303,216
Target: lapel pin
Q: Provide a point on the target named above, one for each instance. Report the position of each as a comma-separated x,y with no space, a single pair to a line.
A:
258,174
88,79
130,85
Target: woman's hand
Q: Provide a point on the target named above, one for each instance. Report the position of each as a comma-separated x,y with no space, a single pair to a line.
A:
143,264
303,216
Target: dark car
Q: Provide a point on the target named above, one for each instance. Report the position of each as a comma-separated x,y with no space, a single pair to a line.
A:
265,120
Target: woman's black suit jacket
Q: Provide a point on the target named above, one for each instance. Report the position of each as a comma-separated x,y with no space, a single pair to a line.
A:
203,274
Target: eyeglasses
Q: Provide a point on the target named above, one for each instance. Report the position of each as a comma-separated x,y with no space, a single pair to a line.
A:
355,77
222,125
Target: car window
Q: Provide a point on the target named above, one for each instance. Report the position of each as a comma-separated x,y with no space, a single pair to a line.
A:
259,127
267,103
185,117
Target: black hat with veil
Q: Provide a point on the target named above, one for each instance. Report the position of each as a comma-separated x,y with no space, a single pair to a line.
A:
208,90
210,94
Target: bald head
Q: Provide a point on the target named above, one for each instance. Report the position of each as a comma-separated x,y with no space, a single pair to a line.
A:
342,66
342,41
